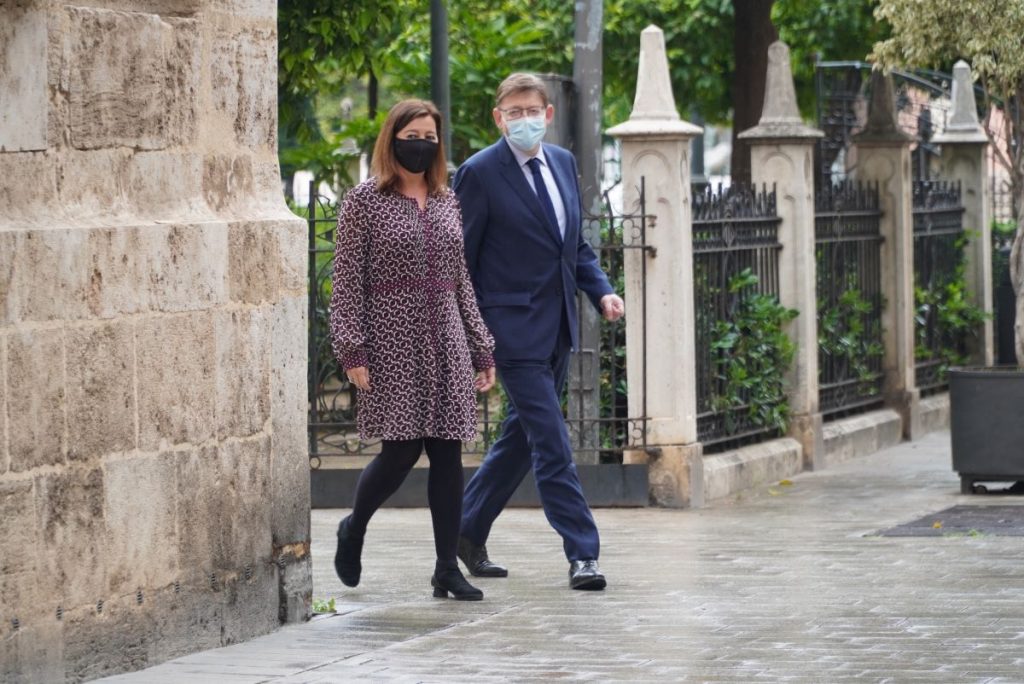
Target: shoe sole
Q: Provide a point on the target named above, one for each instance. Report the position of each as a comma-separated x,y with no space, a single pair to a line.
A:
489,574
595,584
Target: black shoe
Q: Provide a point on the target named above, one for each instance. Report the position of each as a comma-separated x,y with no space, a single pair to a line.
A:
346,559
584,574
452,581
475,558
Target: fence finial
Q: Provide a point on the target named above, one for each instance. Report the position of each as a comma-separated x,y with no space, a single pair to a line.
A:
882,124
963,123
654,99
654,107
780,115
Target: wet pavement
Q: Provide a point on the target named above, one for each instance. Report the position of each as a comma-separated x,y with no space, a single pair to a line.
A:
791,582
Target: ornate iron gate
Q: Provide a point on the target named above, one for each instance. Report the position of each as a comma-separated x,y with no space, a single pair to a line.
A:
849,294
332,406
733,230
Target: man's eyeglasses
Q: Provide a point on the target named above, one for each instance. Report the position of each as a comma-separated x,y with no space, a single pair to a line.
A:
518,112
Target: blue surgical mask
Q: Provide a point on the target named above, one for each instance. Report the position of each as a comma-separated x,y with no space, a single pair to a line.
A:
525,133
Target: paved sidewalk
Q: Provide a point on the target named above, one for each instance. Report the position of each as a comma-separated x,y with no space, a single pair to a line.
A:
787,583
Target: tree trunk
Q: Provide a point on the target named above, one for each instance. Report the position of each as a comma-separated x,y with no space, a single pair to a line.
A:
753,33
1017,278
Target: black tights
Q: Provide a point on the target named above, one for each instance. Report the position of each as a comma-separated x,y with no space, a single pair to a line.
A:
385,474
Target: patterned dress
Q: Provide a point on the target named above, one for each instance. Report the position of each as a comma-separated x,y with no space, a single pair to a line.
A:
404,307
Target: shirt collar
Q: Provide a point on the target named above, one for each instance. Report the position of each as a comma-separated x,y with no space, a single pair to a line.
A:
523,157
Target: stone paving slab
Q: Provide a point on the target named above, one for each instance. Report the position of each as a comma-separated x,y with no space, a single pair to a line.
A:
790,583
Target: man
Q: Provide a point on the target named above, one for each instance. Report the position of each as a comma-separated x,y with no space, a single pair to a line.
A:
521,215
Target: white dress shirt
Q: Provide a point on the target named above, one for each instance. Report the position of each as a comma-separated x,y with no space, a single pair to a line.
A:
549,181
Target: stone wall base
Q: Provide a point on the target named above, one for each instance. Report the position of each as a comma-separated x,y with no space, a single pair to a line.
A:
861,435
759,464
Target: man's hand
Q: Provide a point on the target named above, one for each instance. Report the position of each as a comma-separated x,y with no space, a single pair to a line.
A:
359,376
612,307
484,380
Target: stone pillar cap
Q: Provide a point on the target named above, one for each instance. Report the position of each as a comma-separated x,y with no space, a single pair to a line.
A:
654,107
780,115
882,126
963,126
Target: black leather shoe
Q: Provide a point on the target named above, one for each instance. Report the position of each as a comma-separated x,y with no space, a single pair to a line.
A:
452,581
584,574
346,558
475,558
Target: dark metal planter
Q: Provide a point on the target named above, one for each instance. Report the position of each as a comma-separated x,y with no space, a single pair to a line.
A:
987,424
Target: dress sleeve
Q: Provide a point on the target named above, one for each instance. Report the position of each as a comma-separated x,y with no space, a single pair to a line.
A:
348,298
481,343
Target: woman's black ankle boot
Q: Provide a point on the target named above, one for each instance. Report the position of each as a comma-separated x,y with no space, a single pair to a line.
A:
346,559
449,580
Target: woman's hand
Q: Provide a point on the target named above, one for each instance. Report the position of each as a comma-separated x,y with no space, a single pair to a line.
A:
484,380
359,376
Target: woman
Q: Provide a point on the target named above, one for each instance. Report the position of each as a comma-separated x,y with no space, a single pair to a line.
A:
406,328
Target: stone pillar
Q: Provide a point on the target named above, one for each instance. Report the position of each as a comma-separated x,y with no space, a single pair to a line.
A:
782,154
656,148
883,156
964,156
154,478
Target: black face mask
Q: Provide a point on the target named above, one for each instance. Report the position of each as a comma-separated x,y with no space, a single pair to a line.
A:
416,155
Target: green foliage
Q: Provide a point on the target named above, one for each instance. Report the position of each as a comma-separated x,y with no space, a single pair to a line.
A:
334,157
752,354
324,606
487,41
848,332
956,318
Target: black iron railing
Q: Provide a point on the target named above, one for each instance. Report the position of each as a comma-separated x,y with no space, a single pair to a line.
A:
332,403
733,229
938,257
849,294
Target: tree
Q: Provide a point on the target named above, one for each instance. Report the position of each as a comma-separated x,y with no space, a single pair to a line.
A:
989,35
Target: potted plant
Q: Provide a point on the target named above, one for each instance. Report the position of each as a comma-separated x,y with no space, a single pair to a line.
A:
986,403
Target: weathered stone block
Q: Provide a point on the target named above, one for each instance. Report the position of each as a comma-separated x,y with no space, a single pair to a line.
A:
100,393
295,580
241,93
133,79
293,247
244,527
290,466
26,589
100,643
24,106
227,182
164,186
24,204
91,184
200,500
32,653
176,358
60,254
72,520
140,519
35,382
5,456
250,606
254,264
266,9
243,371
186,267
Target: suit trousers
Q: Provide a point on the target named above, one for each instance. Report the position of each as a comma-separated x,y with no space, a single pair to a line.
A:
534,435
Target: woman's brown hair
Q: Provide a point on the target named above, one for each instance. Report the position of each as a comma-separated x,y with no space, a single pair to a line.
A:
385,166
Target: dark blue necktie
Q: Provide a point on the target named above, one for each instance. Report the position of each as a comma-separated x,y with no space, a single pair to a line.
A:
542,193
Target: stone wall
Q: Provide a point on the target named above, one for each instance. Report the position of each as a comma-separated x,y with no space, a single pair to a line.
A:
154,487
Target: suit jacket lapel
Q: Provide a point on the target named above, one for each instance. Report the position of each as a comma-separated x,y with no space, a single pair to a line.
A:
568,198
514,175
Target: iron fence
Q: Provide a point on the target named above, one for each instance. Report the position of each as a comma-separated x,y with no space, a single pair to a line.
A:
332,428
733,229
849,295
938,258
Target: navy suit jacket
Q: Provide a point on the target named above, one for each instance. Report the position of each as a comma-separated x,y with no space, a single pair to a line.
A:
524,273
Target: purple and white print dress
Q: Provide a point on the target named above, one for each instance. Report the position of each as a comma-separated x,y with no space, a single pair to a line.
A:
404,307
